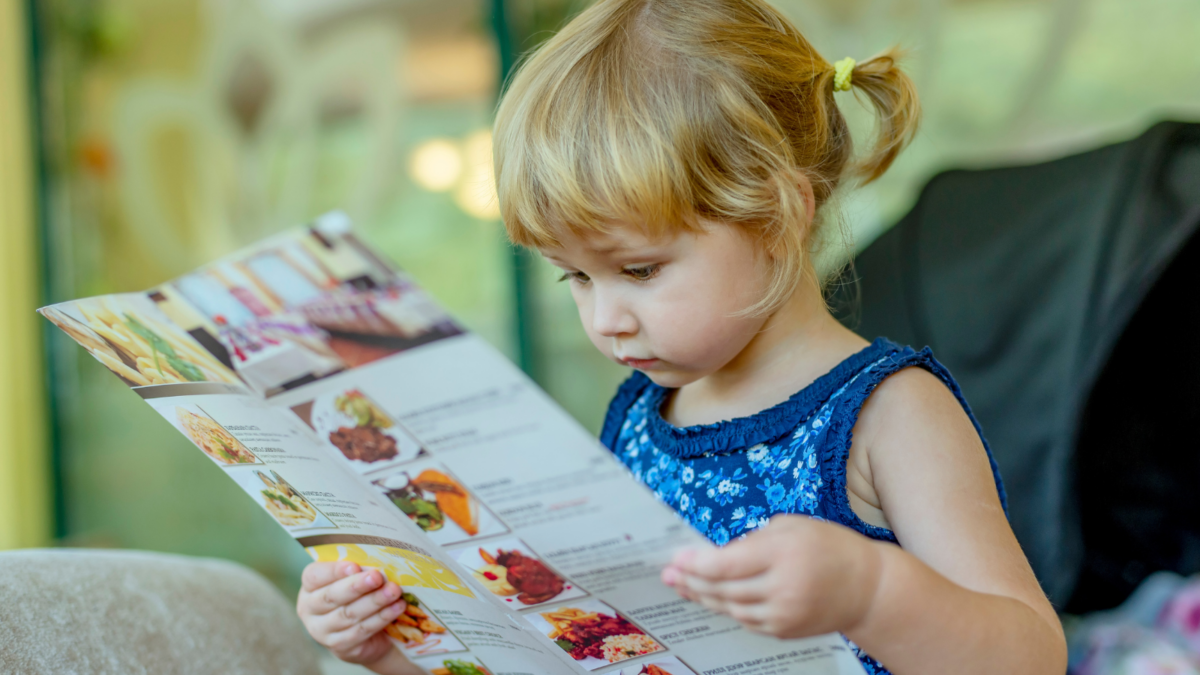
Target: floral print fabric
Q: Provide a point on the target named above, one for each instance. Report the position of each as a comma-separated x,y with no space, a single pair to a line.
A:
729,479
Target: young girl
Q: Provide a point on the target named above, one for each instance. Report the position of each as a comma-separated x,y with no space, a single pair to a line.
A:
673,158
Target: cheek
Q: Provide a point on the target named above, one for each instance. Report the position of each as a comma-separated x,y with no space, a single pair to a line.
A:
583,303
693,323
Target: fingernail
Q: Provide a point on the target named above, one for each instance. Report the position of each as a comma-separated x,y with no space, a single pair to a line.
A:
670,576
347,569
394,609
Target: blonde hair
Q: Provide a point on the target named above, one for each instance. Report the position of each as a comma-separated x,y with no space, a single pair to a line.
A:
668,113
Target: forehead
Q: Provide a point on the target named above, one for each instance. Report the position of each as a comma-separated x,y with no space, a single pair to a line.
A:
614,240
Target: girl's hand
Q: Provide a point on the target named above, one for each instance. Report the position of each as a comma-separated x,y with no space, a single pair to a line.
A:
345,610
794,578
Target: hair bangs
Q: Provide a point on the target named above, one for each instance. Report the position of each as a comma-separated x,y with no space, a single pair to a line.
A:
589,136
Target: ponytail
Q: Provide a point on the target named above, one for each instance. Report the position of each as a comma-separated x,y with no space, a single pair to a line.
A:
898,111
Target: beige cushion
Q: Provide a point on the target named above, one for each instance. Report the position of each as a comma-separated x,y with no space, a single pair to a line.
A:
87,611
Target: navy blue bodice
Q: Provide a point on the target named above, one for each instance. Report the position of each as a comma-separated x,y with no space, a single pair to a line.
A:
727,479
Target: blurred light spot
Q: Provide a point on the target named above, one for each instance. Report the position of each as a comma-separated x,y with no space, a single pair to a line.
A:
436,165
477,193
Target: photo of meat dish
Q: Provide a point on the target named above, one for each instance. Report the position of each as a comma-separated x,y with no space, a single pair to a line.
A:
511,570
365,441
359,428
597,638
366,444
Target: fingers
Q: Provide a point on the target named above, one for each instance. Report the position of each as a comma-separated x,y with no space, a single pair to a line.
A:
368,605
319,574
738,560
342,592
348,639
748,590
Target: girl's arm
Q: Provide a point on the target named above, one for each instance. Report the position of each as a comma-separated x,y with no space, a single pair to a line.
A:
960,597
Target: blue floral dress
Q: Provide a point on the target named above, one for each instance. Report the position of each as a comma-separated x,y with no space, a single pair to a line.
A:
727,479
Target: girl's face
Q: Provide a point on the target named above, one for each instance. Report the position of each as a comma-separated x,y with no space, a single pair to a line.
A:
665,306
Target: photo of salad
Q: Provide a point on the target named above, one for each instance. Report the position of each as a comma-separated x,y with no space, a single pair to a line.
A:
510,570
668,665
438,503
418,632
460,666
594,634
212,438
360,430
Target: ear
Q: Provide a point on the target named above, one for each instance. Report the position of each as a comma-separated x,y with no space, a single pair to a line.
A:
810,199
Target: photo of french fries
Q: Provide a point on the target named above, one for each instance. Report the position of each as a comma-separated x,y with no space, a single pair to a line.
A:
134,340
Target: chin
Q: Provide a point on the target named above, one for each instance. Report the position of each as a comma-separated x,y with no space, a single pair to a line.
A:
670,379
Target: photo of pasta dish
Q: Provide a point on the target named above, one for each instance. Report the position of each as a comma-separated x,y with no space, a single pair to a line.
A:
213,439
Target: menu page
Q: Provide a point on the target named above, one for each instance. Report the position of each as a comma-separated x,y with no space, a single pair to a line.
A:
368,424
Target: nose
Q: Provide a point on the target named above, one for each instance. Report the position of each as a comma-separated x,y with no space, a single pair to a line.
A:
611,315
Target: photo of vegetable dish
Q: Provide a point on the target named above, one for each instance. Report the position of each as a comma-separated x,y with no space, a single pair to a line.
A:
284,503
604,638
459,667
511,570
213,439
432,497
135,344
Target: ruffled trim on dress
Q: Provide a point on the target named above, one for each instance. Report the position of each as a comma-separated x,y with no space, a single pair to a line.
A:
743,432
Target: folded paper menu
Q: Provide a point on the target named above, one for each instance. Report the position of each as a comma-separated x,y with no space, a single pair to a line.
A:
373,428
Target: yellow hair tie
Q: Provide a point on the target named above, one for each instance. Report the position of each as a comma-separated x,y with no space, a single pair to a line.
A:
842,70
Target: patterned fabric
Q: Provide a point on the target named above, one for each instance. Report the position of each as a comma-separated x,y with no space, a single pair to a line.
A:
727,479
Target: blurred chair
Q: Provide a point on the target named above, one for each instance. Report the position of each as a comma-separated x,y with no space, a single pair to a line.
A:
1063,297
89,611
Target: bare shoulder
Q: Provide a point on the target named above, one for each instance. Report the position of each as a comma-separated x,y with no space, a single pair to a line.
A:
914,412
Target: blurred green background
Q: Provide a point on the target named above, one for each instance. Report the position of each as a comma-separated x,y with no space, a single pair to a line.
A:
173,131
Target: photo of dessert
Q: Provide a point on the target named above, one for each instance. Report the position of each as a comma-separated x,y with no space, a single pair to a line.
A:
438,503
360,430
593,633
133,339
510,570
212,438
668,665
419,633
284,502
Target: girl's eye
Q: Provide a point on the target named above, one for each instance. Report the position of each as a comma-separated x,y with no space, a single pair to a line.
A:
574,276
643,273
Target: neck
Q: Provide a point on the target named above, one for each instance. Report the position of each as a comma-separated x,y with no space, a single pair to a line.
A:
797,344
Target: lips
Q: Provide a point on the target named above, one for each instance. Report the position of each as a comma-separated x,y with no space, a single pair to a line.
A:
639,364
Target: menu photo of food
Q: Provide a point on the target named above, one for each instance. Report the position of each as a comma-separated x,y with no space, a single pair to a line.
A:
215,440
438,503
462,665
284,502
360,430
419,633
137,342
667,665
510,570
593,633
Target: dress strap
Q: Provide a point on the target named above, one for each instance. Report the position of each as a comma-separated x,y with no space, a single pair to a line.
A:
837,451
